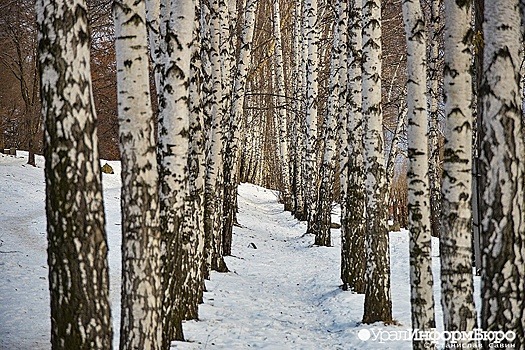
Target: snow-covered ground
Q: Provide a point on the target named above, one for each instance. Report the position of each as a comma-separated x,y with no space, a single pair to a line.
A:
283,294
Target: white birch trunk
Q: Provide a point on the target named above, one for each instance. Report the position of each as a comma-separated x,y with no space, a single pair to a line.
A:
281,108
177,22
503,174
236,113
378,302
214,175
421,280
353,228
77,243
141,306
455,241
310,15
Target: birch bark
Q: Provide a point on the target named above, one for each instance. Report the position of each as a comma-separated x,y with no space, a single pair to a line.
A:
455,241
378,303
141,281
503,174
421,280
77,243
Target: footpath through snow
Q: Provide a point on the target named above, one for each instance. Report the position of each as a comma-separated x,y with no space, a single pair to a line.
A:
281,292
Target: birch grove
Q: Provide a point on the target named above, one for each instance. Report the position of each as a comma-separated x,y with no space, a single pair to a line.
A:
335,109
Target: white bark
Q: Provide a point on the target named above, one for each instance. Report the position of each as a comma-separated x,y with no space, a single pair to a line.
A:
353,228
174,114
77,243
503,174
214,176
310,15
282,116
141,282
455,240
421,280
378,303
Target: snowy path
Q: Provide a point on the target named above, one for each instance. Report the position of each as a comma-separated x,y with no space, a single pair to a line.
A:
284,294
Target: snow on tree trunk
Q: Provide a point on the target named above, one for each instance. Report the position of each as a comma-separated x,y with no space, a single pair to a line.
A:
310,177
177,22
353,228
421,280
77,246
214,176
455,241
503,174
232,154
281,108
141,283
378,303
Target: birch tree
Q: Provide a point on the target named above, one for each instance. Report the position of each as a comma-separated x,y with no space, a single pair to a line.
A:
236,113
77,245
378,303
214,169
434,77
282,114
503,174
300,111
353,228
324,200
455,240
421,280
194,239
312,34
141,289
177,21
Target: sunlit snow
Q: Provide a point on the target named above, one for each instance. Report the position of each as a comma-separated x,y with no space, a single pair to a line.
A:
282,295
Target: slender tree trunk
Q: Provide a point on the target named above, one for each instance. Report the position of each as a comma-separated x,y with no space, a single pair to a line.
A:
310,15
77,246
236,112
323,212
435,98
177,22
503,174
455,239
141,283
353,229
421,280
193,240
378,302
214,176
282,114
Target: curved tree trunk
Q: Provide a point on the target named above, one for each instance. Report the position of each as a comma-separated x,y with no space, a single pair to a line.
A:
141,283
421,280
77,246
455,240
503,174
